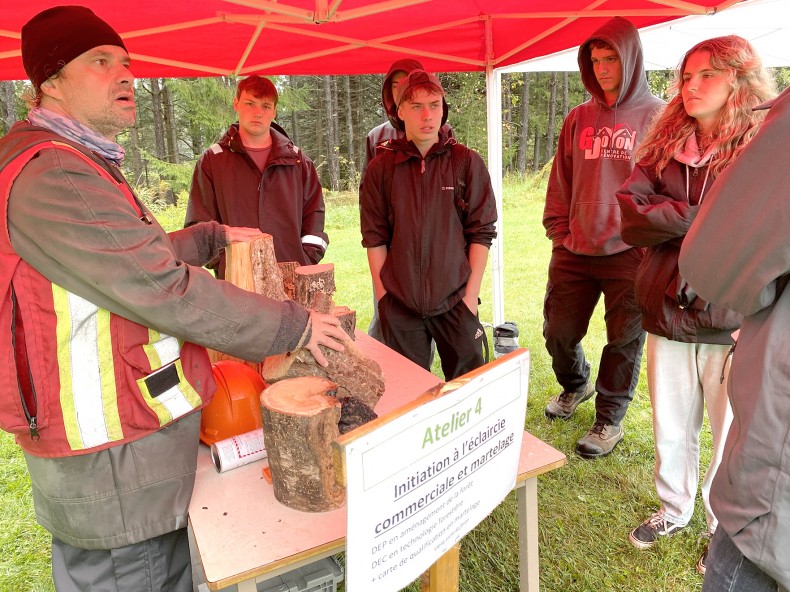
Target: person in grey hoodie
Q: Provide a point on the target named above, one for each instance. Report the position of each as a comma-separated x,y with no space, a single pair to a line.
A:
736,254
595,155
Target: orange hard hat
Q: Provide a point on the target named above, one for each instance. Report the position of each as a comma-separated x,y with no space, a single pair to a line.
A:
235,408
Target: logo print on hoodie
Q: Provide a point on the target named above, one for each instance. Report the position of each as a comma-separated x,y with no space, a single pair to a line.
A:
605,143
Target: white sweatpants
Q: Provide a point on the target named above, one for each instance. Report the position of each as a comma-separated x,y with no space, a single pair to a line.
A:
682,379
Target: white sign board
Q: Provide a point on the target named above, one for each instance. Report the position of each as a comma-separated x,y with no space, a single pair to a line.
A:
417,484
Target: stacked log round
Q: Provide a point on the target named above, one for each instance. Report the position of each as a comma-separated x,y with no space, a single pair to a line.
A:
300,422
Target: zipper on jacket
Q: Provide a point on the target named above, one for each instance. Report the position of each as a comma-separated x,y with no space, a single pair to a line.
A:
16,319
726,359
422,167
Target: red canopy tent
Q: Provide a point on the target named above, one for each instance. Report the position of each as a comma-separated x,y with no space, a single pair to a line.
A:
184,38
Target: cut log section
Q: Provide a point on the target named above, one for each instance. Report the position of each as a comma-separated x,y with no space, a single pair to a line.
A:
314,286
347,318
287,269
252,266
300,422
357,375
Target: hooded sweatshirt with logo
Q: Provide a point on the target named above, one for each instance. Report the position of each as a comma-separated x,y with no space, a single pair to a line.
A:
596,149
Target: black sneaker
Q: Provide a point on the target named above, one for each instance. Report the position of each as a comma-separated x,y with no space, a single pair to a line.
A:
563,405
646,534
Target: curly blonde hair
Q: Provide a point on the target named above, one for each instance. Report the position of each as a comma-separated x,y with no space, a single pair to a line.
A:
735,124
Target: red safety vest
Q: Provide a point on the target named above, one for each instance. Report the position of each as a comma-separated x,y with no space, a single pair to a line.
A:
75,378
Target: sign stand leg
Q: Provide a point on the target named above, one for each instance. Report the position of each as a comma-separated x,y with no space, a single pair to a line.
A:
443,575
527,503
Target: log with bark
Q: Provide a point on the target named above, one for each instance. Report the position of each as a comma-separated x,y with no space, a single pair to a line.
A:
288,269
300,422
314,286
356,375
253,266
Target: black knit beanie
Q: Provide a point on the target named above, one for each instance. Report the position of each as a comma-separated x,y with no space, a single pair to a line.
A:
54,37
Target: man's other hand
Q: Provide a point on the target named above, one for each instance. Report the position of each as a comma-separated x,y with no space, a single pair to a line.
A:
325,331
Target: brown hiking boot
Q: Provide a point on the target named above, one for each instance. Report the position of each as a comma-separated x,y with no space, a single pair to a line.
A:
563,405
599,441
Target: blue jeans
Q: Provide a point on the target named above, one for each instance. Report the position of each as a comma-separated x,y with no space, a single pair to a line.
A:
729,571
576,283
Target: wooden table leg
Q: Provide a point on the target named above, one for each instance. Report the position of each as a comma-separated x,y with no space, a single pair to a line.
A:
248,586
527,503
443,575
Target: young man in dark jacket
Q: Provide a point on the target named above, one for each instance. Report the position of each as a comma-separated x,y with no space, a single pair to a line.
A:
595,155
427,241
255,177
390,130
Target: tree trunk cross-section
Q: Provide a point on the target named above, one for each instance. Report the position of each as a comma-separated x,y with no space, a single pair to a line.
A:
300,422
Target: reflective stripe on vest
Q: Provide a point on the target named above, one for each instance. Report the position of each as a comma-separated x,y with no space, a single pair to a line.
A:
87,372
176,397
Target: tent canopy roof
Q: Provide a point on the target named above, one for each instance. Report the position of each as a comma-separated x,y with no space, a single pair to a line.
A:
185,38
765,23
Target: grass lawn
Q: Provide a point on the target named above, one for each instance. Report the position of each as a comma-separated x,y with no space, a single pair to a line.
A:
586,508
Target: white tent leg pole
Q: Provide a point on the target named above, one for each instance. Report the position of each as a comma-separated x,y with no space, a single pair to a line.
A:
494,100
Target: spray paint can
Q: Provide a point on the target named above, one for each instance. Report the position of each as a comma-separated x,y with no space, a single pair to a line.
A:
237,451
505,338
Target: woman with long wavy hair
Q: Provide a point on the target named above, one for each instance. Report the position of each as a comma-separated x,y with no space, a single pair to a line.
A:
702,129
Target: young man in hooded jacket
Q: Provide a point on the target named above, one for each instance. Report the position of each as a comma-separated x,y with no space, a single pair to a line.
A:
381,135
427,247
595,155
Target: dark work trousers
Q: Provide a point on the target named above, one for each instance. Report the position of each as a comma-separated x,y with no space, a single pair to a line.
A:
458,335
160,564
374,329
575,285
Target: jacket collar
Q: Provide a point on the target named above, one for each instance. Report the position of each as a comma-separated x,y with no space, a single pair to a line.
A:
283,149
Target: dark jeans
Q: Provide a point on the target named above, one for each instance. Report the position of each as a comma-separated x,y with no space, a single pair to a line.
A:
575,285
458,335
729,571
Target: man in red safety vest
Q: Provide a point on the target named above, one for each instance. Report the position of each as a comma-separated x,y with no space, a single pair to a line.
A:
104,320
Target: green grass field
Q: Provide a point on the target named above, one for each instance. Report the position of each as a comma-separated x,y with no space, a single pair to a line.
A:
586,508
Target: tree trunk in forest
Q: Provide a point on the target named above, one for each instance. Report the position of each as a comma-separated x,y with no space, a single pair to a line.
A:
352,165
293,82
135,162
156,111
7,110
552,116
331,139
171,134
565,100
356,83
523,131
196,136
536,156
507,122
336,124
